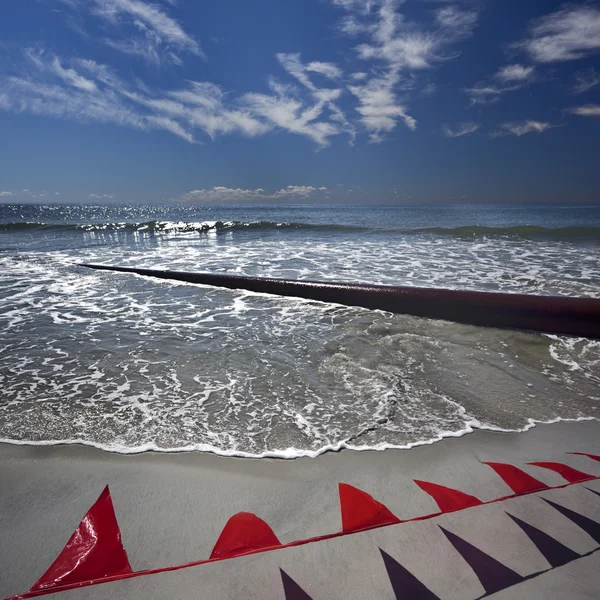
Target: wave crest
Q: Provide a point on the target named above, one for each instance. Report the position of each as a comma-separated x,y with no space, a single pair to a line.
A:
589,233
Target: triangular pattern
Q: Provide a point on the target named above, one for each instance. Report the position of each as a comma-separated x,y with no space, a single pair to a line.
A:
405,585
360,510
446,498
592,528
493,575
94,551
569,473
243,533
516,479
592,456
554,552
593,491
291,589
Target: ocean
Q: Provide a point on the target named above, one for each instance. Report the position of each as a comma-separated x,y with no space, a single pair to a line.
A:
128,364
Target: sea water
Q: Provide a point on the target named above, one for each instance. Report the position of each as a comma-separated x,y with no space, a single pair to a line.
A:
128,363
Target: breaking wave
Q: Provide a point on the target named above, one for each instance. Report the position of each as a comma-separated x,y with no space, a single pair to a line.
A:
468,231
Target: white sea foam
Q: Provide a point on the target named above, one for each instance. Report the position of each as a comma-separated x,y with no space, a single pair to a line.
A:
291,453
130,364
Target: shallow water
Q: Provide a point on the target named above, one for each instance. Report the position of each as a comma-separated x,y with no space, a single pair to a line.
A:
130,363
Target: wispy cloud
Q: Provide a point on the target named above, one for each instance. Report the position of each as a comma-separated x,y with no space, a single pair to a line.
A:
325,97
570,33
379,108
220,194
461,129
507,79
589,110
489,93
523,127
514,73
32,194
101,196
5,194
326,69
396,46
291,114
301,191
144,28
585,81
89,92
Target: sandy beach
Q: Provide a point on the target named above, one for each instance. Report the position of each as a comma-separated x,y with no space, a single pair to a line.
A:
171,508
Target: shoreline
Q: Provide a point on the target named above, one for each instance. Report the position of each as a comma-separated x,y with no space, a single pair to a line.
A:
290,454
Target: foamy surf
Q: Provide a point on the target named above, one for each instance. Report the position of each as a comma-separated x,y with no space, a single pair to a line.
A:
292,453
130,364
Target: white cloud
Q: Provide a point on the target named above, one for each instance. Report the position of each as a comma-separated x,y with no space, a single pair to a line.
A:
286,110
73,78
37,194
292,115
514,73
589,110
293,65
462,129
362,6
457,19
488,93
570,33
511,77
88,92
585,81
102,196
524,127
220,194
297,190
399,46
5,194
146,29
429,89
403,44
379,108
327,69
350,25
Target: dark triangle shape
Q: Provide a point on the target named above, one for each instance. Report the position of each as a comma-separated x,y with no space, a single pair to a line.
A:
494,576
593,491
554,552
592,528
405,585
292,590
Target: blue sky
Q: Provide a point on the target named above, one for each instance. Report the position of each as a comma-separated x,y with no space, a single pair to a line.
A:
416,101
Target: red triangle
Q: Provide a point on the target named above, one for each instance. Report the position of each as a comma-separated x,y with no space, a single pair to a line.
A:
518,481
243,533
94,551
569,473
360,510
448,499
592,456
